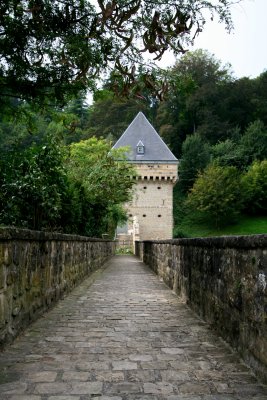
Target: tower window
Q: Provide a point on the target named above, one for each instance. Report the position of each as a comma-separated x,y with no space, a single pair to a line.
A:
140,148
144,215
159,215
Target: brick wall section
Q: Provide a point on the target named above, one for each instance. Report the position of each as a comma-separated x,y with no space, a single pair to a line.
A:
37,268
224,280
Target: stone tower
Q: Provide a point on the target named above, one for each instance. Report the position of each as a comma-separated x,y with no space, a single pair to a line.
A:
150,214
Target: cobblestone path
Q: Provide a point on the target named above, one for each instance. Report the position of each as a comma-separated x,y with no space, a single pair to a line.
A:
125,336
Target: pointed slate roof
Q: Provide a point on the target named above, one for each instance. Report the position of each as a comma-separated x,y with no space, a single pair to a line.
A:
141,130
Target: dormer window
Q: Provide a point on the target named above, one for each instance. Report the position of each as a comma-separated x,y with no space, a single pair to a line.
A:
140,148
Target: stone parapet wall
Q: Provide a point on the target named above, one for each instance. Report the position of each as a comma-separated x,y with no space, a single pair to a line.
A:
224,279
37,268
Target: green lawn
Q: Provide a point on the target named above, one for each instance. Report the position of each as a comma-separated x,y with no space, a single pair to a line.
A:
245,226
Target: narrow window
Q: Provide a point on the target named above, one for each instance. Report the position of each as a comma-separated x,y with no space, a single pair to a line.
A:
140,148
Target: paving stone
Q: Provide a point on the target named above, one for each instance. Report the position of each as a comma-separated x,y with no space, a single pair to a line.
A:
140,357
75,376
154,365
194,388
107,376
174,376
123,365
86,388
125,387
52,388
43,376
143,376
162,388
124,337
89,366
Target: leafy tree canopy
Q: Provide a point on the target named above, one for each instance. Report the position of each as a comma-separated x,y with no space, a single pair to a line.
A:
32,183
217,193
253,144
198,68
226,153
193,92
109,117
255,188
53,48
93,164
195,157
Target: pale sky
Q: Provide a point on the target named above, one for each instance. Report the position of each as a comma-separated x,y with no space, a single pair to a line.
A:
245,48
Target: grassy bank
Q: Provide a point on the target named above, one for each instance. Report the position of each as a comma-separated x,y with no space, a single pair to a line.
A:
244,226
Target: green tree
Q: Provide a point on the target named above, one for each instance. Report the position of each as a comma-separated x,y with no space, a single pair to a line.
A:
109,117
217,193
226,153
242,149
32,184
238,103
193,83
103,179
255,188
259,101
253,144
53,48
195,157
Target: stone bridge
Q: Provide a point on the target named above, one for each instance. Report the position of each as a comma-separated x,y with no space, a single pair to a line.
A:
121,334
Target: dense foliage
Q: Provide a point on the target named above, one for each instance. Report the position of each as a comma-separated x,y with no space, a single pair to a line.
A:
209,120
50,49
101,181
56,175
255,188
46,184
217,193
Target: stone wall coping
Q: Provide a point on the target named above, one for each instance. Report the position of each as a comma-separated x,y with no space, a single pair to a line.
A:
242,242
11,233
